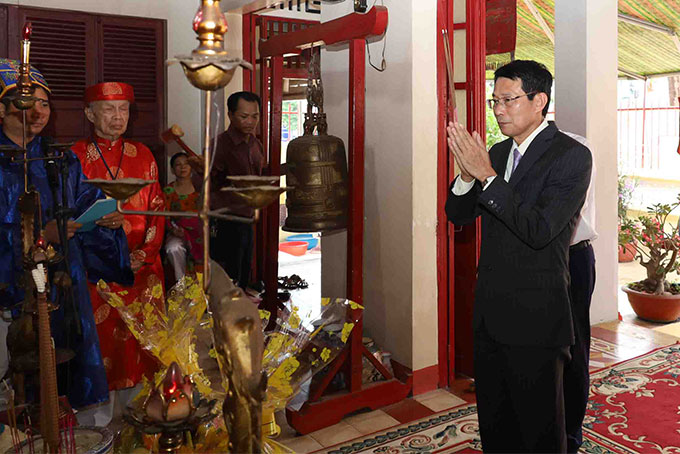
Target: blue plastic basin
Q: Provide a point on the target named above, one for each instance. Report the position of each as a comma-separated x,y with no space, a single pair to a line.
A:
310,239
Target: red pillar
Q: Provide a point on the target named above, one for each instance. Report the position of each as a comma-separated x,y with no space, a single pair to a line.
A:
355,229
272,220
248,52
445,250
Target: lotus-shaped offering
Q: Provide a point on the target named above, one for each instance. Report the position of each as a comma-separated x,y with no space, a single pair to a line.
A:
175,401
172,408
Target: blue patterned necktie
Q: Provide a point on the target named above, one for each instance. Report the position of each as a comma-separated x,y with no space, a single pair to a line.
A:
516,157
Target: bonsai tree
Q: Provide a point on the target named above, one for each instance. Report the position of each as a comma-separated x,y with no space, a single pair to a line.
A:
656,247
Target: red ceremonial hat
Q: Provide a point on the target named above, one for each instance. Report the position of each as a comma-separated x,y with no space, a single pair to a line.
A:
110,91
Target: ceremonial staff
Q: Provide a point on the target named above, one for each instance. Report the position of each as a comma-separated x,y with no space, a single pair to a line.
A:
36,256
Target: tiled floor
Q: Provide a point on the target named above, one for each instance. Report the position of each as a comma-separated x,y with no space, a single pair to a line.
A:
613,342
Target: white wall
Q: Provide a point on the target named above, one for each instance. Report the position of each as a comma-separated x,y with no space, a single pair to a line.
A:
400,288
183,100
424,174
585,103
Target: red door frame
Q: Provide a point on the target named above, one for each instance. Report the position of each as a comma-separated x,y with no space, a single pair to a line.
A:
252,22
447,246
444,162
352,30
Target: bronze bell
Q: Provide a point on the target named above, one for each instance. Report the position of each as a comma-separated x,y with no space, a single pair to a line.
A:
316,167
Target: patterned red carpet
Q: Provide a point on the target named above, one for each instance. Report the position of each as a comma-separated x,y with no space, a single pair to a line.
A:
635,405
634,408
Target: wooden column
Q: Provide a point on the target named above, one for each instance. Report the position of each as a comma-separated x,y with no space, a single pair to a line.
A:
355,228
272,211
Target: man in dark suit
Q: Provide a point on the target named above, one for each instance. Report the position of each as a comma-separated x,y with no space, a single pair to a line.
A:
528,190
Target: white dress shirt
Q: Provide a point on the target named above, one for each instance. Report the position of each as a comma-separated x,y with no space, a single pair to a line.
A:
585,223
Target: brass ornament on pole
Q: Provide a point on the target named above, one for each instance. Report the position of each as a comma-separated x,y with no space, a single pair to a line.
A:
209,67
24,99
316,167
237,330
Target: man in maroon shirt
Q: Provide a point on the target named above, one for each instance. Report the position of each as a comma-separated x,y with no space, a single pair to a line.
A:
238,152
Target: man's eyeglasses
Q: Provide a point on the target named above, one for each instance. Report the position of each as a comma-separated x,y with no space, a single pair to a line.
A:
506,102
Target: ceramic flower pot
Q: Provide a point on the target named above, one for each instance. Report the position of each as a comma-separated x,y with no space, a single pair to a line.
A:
626,253
654,308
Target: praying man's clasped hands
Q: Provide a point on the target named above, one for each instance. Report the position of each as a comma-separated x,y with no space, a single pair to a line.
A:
470,153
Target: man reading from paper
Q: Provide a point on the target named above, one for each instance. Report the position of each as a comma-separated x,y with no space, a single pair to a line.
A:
109,156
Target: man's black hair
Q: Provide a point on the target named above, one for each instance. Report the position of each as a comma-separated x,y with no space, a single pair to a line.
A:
232,102
535,77
179,154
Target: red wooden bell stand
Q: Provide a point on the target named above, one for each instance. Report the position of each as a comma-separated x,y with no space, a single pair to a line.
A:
353,30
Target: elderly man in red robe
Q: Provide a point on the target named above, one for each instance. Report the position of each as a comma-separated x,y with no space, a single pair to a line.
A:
108,155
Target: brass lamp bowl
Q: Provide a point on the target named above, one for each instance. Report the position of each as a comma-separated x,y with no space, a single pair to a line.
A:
23,102
210,72
257,196
11,150
249,181
120,189
209,77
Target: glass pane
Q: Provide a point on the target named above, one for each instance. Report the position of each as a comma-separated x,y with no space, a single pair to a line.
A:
294,125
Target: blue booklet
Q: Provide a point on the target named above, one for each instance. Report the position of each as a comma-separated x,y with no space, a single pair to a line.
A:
97,210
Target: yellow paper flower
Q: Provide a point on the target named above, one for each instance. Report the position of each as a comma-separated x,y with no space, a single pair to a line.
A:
294,319
281,378
346,330
169,337
355,306
157,291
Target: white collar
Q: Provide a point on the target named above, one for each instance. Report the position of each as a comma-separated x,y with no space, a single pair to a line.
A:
525,145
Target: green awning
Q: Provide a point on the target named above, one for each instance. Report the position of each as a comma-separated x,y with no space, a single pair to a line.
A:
642,51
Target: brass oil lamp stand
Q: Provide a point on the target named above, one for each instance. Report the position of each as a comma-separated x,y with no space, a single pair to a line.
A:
37,255
209,68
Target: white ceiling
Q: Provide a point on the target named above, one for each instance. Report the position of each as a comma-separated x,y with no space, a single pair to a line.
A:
246,6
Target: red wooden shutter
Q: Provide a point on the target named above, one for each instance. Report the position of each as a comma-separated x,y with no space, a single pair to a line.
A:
62,49
3,31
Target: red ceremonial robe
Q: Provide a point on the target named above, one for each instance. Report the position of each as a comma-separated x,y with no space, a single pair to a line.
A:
124,359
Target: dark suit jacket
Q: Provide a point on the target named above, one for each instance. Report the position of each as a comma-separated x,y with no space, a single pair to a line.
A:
523,274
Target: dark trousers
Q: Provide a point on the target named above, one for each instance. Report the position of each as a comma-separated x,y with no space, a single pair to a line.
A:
231,245
520,397
576,376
